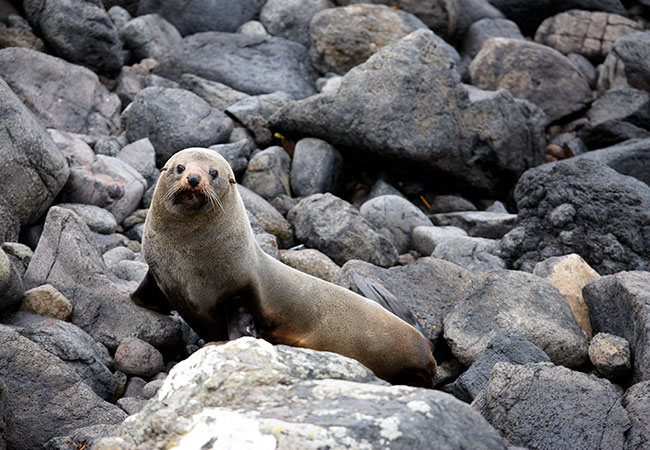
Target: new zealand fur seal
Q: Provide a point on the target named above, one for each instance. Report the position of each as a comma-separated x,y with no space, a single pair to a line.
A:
205,263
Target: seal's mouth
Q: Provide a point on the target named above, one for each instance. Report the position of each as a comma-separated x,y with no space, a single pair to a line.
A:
190,199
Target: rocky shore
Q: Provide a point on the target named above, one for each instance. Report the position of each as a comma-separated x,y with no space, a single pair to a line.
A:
486,162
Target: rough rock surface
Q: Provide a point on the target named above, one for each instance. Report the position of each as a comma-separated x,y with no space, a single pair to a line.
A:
472,253
344,37
336,228
315,167
312,262
68,259
637,403
11,285
174,119
429,288
610,355
534,72
627,63
44,397
591,34
46,301
572,410
426,238
433,121
149,36
79,31
276,388
620,305
254,65
269,218
485,224
583,207
138,358
268,173
503,299
42,82
290,19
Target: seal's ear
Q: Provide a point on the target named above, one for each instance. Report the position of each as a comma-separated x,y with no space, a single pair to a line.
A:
232,180
163,169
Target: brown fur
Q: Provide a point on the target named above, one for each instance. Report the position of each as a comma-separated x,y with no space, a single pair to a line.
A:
207,264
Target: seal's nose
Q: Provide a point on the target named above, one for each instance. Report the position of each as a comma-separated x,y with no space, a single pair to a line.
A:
193,180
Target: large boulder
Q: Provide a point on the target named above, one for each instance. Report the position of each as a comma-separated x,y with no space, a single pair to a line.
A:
543,406
45,398
190,16
344,37
405,105
42,82
251,64
580,206
250,394
68,259
620,305
154,114
336,228
33,169
79,31
532,71
503,299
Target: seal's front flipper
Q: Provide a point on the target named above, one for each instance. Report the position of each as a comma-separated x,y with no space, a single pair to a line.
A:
148,295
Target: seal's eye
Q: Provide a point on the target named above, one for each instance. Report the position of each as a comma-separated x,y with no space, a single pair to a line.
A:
180,168
214,173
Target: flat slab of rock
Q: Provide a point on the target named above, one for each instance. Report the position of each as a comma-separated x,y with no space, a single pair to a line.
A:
620,305
579,410
532,71
44,397
503,299
406,105
485,224
277,389
254,65
580,206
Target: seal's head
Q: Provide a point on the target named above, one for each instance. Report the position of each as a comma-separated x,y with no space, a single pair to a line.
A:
194,180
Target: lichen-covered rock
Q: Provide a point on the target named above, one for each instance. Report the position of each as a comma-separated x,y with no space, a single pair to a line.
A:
253,394
503,299
534,72
406,104
336,228
610,355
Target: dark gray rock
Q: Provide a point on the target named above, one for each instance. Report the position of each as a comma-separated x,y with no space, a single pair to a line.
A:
3,415
610,355
268,173
254,65
19,254
316,167
572,410
218,95
620,305
79,31
344,37
9,223
534,72
580,206
68,258
134,271
290,18
507,346
503,299
528,15
118,15
472,253
154,114
254,113
149,36
274,407
191,17
637,403
449,203
269,218
133,79
107,145
42,82
429,288
591,34
426,129
45,398
138,358
81,436
73,146
98,219
142,157
336,228
33,169
470,12
117,254
628,63
236,153
106,182
426,238
619,114
11,284
395,218
439,15
77,350
485,224
586,67
485,29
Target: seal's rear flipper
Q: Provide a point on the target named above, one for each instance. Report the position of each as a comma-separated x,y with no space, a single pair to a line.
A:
148,295
379,294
